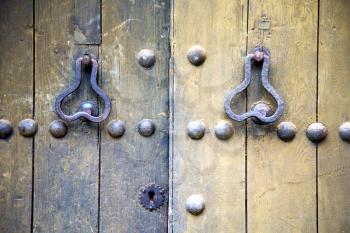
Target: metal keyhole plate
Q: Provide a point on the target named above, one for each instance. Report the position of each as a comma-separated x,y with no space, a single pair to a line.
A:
151,197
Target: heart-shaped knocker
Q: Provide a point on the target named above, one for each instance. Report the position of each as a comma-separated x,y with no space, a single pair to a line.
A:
261,112
87,110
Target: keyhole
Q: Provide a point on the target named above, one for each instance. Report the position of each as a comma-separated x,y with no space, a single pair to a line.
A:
152,196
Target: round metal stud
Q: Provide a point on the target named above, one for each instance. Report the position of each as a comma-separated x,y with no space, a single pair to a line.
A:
316,132
116,128
286,131
151,197
224,130
58,129
195,204
196,130
344,131
28,127
89,107
264,108
6,128
146,58
196,55
146,127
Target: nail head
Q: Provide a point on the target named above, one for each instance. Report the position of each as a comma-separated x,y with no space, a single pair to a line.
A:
195,204
116,128
224,130
196,130
196,55
316,132
58,128
28,127
286,131
146,58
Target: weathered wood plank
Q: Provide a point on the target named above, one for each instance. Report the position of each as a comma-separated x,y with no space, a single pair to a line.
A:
334,109
209,167
87,22
133,161
16,104
65,170
281,176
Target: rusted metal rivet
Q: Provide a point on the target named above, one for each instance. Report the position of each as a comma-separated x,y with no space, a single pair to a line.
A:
146,58
286,131
116,128
195,204
146,127
316,132
196,55
264,108
28,127
224,130
90,107
6,129
196,129
344,131
58,128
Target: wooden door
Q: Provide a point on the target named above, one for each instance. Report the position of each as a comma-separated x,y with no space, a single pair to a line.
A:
167,67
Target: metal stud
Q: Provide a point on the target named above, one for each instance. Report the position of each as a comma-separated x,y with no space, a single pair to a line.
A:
116,128
224,130
196,130
28,127
344,131
196,55
89,107
195,204
286,131
58,129
264,108
146,58
6,128
146,127
316,132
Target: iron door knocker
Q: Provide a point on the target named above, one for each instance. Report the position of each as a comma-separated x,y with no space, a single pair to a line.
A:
260,111
85,111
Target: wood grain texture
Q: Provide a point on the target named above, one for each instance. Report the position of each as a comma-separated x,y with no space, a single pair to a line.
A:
334,109
133,161
281,176
87,22
209,167
16,104
66,170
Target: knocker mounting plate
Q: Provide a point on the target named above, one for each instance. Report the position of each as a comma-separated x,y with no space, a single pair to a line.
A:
258,54
85,60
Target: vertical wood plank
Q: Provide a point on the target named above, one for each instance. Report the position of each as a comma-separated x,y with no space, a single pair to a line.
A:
334,109
87,23
16,104
133,161
281,176
66,170
209,167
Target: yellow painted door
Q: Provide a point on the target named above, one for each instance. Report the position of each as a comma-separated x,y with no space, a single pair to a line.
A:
254,181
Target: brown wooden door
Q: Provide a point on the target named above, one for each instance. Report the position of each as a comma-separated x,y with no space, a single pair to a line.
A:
89,181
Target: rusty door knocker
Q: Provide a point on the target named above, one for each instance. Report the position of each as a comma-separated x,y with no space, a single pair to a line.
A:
86,110
260,111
